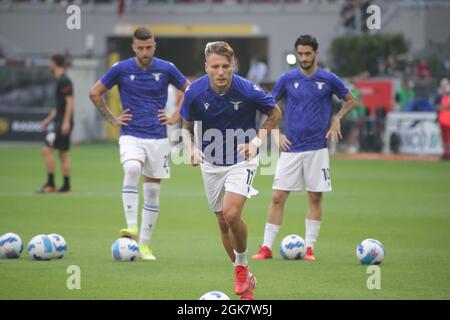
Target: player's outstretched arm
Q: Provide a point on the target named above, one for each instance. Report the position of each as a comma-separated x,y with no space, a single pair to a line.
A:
96,96
335,129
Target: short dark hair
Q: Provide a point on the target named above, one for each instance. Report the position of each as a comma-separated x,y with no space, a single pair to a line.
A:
307,40
142,34
59,60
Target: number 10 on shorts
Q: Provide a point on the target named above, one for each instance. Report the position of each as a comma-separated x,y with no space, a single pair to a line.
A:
326,174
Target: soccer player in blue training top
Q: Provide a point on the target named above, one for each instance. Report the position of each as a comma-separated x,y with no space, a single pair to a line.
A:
304,160
224,106
143,82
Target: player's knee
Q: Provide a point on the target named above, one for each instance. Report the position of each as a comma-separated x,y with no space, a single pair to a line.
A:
132,170
315,198
278,199
231,215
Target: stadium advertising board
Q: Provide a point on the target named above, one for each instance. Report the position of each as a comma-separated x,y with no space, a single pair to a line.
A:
20,126
418,133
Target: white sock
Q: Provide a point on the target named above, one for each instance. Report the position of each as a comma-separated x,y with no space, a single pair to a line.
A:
130,194
270,233
241,258
312,232
150,211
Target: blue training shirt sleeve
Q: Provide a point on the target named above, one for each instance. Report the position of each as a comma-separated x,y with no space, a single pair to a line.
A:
338,86
278,91
176,77
112,76
264,101
187,110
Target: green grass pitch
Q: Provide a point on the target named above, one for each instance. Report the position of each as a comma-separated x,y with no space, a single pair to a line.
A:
405,205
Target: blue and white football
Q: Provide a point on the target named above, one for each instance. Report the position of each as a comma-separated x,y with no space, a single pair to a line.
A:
59,245
370,251
124,249
11,246
292,247
40,248
214,295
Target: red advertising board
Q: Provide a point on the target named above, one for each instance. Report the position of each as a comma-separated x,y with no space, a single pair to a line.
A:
376,93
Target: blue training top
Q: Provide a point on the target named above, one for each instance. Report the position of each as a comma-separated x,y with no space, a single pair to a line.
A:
143,91
308,106
225,120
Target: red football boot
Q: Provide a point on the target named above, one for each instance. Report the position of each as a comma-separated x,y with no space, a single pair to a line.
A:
263,253
248,295
241,280
309,254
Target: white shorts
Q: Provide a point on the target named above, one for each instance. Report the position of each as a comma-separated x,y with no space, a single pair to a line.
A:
297,170
153,153
237,178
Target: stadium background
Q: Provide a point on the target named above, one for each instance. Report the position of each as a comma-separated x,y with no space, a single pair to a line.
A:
402,201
